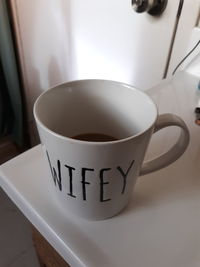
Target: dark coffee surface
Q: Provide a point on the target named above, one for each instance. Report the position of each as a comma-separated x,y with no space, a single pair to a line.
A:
94,137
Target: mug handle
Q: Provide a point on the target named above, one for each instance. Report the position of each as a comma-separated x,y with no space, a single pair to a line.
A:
176,151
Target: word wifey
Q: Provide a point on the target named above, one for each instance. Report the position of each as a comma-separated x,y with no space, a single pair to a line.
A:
70,171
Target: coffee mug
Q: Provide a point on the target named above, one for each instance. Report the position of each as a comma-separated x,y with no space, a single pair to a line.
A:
95,134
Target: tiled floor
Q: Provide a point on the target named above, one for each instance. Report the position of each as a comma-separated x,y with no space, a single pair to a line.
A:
16,247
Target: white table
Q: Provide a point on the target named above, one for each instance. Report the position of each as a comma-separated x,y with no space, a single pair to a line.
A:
161,225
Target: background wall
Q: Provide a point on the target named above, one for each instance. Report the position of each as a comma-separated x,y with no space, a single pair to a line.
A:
184,35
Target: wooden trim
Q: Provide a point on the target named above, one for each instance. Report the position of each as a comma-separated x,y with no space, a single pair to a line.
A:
47,255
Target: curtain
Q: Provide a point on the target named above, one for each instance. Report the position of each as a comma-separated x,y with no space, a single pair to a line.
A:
11,116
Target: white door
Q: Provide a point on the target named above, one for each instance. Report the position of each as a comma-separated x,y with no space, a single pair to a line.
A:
110,40
61,40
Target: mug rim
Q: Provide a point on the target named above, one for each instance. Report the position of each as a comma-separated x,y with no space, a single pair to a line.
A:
42,125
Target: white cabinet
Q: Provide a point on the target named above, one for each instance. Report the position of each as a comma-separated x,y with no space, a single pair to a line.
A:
61,40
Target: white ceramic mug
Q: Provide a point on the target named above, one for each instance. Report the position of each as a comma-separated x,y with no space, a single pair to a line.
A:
95,180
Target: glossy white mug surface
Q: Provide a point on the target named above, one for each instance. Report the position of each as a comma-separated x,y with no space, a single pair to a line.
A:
95,180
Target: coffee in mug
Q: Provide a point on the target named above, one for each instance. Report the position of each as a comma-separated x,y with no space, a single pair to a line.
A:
94,137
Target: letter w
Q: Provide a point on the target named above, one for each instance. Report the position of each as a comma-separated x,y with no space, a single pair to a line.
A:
56,176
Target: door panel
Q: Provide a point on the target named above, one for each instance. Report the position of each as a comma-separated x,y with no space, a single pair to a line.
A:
112,41
61,40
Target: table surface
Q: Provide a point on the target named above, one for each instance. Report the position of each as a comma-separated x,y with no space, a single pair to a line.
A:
161,225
